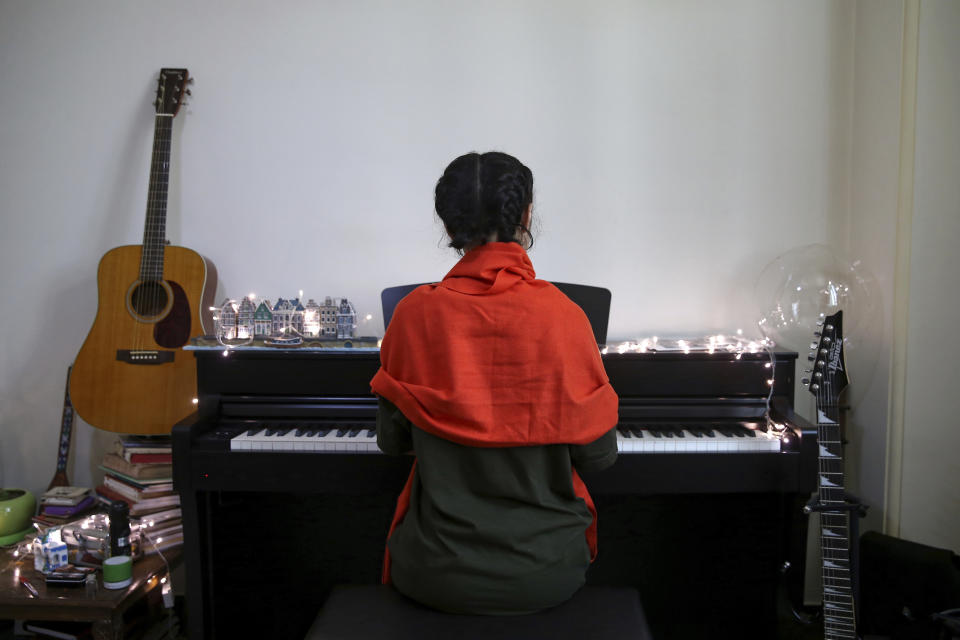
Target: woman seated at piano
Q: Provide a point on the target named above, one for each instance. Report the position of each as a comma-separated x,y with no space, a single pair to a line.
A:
494,380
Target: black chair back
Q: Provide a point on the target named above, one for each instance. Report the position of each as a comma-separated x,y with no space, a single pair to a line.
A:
595,302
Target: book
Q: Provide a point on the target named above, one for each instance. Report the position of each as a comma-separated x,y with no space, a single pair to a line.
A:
137,493
161,543
137,471
133,456
140,507
165,529
125,450
66,511
154,504
141,440
64,496
155,518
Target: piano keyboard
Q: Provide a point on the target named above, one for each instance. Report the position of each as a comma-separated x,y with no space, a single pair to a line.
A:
350,438
631,438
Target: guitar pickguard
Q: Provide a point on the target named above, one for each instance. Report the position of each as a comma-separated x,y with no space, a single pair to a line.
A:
174,330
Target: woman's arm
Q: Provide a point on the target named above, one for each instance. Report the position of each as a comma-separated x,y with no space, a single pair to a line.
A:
597,455
393,429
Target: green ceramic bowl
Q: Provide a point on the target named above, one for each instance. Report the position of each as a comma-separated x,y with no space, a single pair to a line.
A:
17,507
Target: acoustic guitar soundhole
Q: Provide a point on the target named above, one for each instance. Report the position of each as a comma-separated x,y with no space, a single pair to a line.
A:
149,299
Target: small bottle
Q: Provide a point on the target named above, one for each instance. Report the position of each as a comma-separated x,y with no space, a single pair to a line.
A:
119,528
90,585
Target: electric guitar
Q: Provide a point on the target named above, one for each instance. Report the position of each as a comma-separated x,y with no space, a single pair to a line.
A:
828,379
63,448
130,375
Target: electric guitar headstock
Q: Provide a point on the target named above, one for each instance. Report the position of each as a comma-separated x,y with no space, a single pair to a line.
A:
172,91
828,378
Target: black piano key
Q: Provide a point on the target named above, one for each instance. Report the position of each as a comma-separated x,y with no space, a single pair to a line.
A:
668,432
655,432
636,431
371,432
322,433
352,433
710,433
254,431
269,431
625,432
750,433
342,431
282,431
679,432
298,432
696,431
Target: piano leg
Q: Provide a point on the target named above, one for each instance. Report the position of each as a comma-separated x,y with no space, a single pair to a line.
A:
195,515
797,525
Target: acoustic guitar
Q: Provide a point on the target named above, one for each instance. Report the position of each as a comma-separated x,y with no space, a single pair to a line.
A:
131,375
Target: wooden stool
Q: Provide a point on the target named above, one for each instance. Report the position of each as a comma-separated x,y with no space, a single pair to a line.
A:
360,612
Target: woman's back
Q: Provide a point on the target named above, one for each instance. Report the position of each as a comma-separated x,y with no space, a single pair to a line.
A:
492,378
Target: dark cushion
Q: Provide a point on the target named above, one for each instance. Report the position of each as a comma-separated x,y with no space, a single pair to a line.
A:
377,611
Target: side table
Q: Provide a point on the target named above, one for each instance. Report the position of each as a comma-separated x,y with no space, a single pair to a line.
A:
106,610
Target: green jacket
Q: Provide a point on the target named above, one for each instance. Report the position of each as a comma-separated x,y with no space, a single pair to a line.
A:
490,530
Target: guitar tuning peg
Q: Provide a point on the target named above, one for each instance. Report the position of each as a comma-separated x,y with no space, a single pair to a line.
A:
816,333
808,370
190,80
805,381
188,92
813,345
814,386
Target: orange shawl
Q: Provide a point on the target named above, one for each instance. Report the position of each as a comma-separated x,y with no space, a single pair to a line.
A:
493,357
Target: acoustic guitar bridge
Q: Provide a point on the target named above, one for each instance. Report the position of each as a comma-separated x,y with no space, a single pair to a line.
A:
144,356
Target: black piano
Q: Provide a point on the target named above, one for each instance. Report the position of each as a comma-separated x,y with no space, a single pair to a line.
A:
284,493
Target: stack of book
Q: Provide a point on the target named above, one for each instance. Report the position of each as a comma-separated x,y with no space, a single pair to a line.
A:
61,505
140,472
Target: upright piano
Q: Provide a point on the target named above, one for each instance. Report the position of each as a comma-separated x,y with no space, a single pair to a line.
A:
284,493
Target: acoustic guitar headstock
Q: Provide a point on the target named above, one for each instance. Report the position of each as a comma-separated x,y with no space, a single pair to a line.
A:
172,91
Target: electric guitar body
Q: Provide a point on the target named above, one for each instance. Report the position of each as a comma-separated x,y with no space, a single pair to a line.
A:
131,375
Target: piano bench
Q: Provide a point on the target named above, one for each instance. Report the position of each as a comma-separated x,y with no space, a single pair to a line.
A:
377,611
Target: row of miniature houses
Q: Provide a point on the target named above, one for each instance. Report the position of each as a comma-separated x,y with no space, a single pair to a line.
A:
332,319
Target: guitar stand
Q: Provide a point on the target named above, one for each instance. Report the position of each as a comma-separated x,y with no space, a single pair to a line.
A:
853,507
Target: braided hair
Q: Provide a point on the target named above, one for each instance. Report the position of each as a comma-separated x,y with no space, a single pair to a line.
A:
480,197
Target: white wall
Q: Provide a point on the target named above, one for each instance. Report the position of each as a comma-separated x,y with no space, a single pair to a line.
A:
930,504
871,237
676,147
